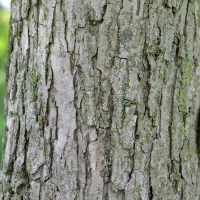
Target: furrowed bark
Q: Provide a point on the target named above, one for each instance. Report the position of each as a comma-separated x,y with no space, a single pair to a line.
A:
102,100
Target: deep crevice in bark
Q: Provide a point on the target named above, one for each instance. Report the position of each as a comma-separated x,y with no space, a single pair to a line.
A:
88,170
180,167
51,153
94,61
105,192
150,182
160,117
170,128
147,67
136,137
99,100
132,165
138,7
182,191
108,168
11,167
172,109
185,27
151,193
104,12
37,20
25,158
198,135
76,73
57,128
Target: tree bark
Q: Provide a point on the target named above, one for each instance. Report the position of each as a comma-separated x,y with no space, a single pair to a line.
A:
102,101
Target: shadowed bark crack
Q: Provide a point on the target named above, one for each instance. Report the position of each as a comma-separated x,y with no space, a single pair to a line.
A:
170,126
172,109
150,182
198,135
88,170
138,7
186,15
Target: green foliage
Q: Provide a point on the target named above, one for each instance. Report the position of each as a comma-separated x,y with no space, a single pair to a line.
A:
4,26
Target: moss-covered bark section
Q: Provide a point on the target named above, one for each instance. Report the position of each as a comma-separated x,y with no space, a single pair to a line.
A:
102,100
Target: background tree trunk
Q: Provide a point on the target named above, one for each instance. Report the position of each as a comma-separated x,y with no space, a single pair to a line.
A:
102,100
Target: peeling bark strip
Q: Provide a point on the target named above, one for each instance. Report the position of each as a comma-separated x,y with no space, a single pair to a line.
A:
102,100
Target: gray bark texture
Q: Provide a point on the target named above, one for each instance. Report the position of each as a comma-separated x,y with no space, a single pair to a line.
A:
102,101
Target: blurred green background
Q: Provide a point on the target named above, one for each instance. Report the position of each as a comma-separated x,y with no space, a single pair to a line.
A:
4,26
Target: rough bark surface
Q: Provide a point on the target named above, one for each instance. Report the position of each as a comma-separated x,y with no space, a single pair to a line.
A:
103,100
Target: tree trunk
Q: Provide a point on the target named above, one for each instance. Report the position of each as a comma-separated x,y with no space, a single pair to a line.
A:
102,100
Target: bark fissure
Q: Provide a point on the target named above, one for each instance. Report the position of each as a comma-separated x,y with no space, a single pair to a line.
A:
37,20
15,152
147,68
170,125
186,15
181,195
57,128
88,171
138,7
25,162
150,183
198,135
172,109
108,158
